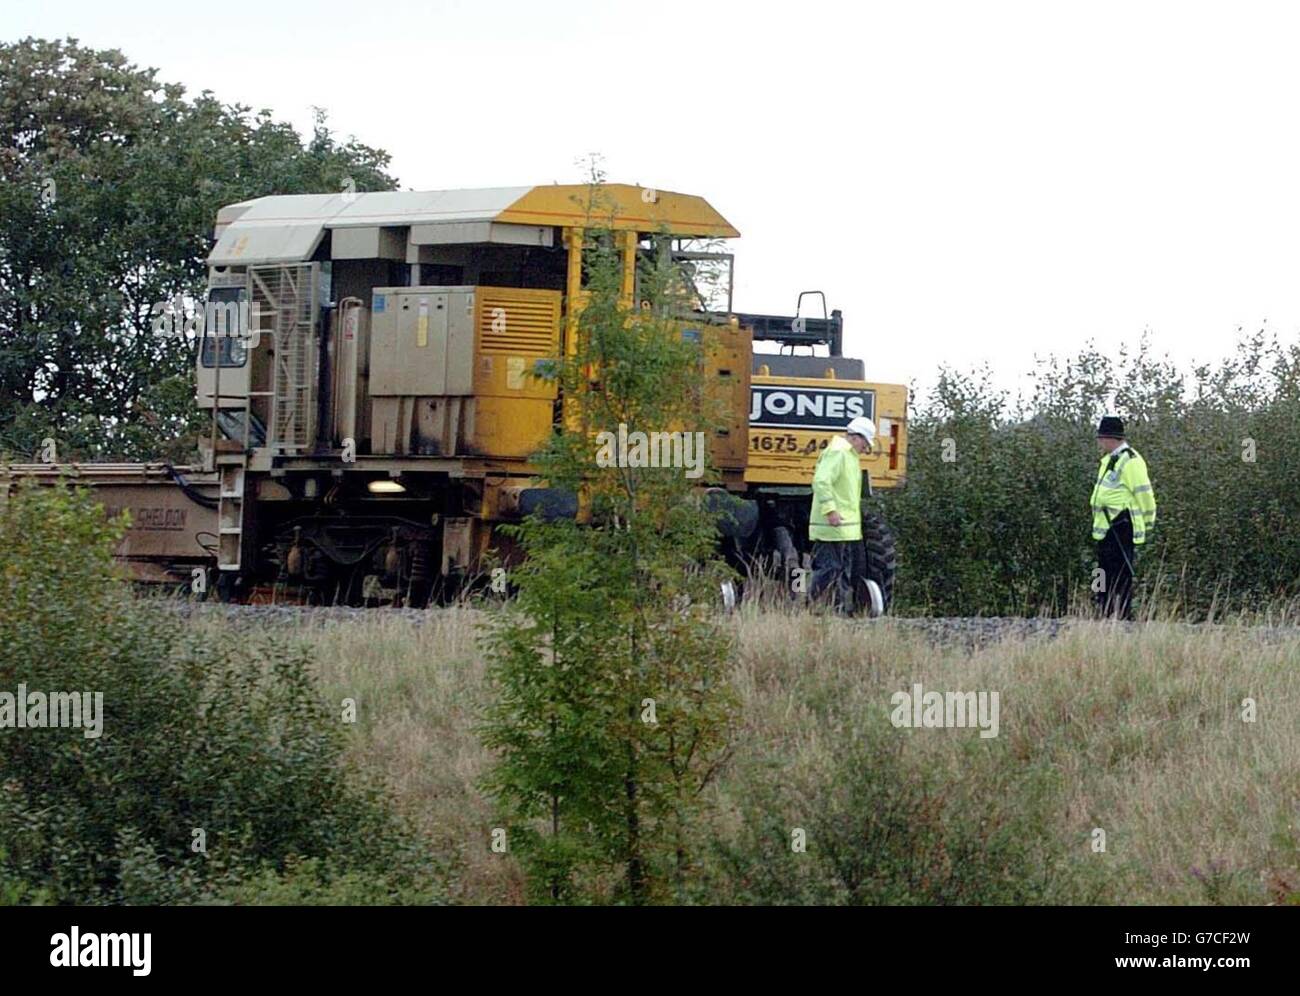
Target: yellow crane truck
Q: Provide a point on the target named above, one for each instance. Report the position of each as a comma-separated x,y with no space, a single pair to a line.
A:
370,381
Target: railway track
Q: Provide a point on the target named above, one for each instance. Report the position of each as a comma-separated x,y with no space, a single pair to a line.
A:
970,631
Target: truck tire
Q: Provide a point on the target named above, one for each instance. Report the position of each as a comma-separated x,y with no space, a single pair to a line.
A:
786,554
882,558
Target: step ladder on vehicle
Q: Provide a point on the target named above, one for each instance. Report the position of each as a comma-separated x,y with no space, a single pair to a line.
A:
230,510
285,308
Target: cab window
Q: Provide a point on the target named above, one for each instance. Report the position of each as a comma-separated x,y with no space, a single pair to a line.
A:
223,320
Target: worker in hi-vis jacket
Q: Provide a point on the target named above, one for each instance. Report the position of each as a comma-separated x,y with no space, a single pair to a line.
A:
835,522
1123,516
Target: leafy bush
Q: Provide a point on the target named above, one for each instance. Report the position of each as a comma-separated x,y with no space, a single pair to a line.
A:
216,762
883,827
994,517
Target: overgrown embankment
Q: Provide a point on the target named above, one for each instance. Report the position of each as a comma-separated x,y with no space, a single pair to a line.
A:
1144,733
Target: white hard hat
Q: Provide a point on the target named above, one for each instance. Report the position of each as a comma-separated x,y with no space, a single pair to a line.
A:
863,427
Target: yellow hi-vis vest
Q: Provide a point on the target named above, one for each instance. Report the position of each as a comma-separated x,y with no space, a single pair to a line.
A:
1123,485
837,487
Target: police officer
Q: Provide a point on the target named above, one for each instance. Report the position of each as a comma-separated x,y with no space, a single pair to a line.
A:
835,521
1123,516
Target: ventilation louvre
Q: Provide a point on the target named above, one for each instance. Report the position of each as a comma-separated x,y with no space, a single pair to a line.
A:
518,323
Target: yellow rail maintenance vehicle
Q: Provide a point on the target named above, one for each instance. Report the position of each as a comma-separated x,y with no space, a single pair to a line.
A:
374,412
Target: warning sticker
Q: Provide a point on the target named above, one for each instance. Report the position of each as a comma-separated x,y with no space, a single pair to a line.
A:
422,324
515,373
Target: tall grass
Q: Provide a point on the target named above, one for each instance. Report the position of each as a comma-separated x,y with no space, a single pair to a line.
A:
1138,733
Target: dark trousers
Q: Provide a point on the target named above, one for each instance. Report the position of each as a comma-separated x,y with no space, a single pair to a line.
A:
1116,557
836,568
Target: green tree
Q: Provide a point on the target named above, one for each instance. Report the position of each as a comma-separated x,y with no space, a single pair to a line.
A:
110,181
611,713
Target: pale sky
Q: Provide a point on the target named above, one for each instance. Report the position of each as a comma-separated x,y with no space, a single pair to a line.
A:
968,182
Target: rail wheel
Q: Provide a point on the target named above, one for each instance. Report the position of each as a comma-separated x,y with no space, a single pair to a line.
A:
882,562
